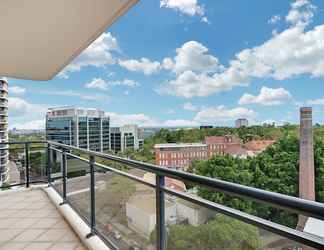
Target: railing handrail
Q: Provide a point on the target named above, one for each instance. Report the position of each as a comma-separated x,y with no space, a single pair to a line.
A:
308,208
294,204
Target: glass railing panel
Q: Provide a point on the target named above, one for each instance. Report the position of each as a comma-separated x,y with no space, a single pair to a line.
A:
78,186
193,226
125,211
56,171
37,162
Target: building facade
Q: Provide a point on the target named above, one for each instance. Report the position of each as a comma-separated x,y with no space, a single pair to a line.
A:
84,128
126,137
4,153
220,145
242,122
179,155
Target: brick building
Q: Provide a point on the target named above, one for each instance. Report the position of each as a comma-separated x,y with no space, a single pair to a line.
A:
220,145
179,155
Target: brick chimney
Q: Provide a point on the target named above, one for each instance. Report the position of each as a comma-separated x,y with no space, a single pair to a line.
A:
306,161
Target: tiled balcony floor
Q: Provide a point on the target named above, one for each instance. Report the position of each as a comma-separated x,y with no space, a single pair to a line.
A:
28,220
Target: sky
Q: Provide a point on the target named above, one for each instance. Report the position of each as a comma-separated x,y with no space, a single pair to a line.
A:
192,62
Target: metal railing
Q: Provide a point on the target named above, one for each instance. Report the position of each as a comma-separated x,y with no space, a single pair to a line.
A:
288,203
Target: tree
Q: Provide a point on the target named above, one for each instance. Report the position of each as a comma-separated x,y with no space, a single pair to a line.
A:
220,233
275,169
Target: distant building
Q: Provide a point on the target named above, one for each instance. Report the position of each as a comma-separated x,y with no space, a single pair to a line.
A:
4,154
179,155
84,128
126,137
220,145
242,122
257,146
205,127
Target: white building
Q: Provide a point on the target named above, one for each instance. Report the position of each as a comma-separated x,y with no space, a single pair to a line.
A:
4,154
126,137
80,127
242,122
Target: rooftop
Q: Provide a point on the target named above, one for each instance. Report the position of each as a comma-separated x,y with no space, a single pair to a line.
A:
179,145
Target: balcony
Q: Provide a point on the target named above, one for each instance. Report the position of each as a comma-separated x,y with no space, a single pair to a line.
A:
126,204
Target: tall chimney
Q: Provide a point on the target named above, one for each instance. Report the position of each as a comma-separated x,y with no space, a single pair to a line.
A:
306,160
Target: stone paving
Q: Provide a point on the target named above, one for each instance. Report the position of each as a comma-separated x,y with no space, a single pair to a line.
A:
29,220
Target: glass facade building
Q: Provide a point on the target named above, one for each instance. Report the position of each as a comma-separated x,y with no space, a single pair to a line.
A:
84,128
126,137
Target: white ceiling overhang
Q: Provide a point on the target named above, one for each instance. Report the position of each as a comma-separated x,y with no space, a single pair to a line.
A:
40,37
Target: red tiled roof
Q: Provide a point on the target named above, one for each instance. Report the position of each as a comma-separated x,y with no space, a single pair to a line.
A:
258,145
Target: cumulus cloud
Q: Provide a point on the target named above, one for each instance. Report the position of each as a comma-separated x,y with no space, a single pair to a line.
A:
16,90
180,123
220,113
144,65
293,52
124,119
125,82
296,51
18,107
35,124
186,7
190,107
97,83
267,96
192,56
301,13
98,54
274,19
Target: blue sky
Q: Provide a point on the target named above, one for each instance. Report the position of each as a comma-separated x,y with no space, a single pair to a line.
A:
192,62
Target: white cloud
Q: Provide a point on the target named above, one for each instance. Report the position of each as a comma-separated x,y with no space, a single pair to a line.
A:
18,107
291,53
124,119
220,113
190,107
180,123
301,13
144,65
274,19
316,102
187,7
98,54
97,83
16,90
267,96
192,56
36,124
71,93
125,82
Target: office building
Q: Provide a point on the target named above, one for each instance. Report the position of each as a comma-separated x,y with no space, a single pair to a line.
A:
84,128
126,137
4,154
242,122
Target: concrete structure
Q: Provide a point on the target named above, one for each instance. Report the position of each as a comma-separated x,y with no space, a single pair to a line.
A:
179,155
84,128
126,137
306,160
242,122
4,153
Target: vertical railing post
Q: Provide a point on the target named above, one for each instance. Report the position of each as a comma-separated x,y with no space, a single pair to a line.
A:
160,214
49,164
27,164
92,196
64,174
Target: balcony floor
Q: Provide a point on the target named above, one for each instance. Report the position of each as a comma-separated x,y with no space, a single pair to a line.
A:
29,220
